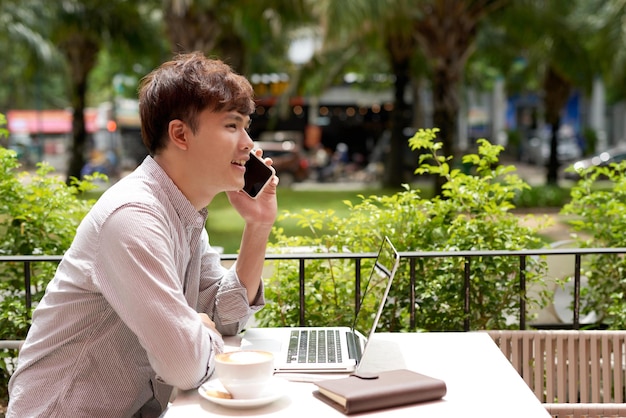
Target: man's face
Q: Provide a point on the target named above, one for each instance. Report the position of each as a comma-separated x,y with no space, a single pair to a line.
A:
218,150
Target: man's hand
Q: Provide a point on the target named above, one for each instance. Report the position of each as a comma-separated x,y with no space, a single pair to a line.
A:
207,322
263,209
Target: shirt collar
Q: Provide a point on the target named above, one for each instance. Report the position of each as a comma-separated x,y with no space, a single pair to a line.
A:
186,211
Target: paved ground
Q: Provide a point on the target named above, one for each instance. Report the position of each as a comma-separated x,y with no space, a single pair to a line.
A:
557,231
533,175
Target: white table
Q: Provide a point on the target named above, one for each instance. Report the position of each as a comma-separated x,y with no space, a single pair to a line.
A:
480,382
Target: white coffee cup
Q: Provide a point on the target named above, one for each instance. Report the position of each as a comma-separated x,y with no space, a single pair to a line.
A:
244,374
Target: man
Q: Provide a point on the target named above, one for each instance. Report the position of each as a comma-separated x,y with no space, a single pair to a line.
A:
139,300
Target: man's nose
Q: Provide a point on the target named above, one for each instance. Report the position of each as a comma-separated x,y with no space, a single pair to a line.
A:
248,142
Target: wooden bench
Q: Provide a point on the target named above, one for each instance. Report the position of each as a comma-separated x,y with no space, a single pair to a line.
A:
575,374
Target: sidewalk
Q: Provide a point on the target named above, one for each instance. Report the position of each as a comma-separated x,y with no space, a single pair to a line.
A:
559,230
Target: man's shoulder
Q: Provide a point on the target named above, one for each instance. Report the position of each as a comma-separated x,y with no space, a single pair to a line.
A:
136,187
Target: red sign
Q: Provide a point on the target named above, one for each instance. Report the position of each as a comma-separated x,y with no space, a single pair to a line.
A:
47,121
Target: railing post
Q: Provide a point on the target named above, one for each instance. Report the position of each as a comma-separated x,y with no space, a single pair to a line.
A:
576,307
357,286
27,281
301,272
412,278
522,295
466,307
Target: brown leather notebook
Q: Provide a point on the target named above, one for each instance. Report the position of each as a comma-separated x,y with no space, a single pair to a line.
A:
358,393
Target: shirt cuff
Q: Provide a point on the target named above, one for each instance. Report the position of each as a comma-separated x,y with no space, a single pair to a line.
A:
232,303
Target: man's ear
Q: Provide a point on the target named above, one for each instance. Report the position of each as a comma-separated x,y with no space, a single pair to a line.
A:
177,132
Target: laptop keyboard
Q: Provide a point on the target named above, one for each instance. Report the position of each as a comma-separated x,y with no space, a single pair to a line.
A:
314,346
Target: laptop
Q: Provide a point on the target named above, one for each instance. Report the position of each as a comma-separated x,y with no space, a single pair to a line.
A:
331,349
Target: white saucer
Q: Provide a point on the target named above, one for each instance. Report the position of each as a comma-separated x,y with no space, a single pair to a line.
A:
275,390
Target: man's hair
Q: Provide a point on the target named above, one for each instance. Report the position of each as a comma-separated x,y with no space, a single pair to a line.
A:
184,87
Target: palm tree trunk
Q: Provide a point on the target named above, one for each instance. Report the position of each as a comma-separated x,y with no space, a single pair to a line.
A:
394,164
446,107
557,90
79,132
80,54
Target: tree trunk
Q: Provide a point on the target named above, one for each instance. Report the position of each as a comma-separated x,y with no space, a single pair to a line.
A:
394,162
80,53
557,90
446,34
190,29
446,107
232,50
79,132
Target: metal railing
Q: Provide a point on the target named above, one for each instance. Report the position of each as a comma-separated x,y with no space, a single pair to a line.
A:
410,256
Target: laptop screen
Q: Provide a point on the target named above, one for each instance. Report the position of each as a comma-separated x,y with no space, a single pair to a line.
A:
375,289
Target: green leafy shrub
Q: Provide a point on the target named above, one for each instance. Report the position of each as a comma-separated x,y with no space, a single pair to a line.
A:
39,215
472,214
543,196
600,213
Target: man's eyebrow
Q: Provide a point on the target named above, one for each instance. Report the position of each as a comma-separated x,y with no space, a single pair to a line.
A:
239,118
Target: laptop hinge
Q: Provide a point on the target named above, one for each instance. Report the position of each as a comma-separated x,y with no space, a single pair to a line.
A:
354,345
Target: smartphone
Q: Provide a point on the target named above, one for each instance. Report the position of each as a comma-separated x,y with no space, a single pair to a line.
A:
257,175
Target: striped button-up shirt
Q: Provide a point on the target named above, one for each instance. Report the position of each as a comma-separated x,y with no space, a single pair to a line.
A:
120,315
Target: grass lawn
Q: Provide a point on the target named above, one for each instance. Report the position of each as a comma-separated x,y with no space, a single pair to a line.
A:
225,225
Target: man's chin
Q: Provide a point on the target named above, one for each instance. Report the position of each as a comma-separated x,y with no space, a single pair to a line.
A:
236,188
